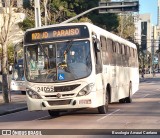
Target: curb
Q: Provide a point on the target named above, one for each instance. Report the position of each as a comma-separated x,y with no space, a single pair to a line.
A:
13,111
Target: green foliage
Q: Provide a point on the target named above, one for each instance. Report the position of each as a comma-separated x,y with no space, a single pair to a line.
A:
85,19
10,54
26,24
61,10
107,21
126,26
26,4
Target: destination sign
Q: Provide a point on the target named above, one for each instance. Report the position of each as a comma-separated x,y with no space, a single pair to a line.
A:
56,33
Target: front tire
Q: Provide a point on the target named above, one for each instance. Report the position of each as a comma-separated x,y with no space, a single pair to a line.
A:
129,98
53,113
104,108
122,100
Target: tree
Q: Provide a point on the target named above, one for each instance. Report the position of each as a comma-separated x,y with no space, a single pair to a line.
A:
10,54
158,55
126,26
8,20
61,10
52,12
106,21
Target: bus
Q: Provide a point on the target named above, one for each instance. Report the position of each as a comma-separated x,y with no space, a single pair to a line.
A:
78,65
17,79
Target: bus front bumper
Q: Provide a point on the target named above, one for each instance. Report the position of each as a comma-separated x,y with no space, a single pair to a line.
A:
92,100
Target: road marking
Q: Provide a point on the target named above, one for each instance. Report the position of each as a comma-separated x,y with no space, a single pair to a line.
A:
10,113
42,117
108,115
146,95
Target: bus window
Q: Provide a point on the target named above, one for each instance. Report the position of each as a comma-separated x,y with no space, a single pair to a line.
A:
117,48
97,52
103,43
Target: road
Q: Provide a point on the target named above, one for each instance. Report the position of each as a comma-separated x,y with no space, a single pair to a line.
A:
142,113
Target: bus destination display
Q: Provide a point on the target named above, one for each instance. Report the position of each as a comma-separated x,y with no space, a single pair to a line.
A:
56,33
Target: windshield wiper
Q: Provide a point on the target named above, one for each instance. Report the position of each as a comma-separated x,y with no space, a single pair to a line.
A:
41,47
69,45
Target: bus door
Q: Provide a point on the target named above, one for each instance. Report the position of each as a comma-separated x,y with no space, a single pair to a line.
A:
98,65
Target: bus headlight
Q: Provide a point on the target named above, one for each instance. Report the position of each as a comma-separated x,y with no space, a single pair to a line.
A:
86,90
33,94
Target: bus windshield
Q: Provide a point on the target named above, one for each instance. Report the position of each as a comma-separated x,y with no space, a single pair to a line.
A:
58,62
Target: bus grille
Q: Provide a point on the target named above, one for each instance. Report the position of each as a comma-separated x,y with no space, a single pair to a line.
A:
60,102
63,95
65,88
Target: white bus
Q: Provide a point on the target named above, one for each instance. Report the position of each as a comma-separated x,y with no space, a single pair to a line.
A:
17,79
78,65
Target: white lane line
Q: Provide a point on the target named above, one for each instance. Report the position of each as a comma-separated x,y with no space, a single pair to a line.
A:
42,117
108,115
145,95
9,112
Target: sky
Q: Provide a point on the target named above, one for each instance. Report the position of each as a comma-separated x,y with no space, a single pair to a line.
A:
149,6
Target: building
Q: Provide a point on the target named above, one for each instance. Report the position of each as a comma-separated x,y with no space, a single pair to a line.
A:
143,31
158,30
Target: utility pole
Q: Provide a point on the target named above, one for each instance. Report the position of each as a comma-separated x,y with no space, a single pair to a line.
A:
45,10
153,57
37,13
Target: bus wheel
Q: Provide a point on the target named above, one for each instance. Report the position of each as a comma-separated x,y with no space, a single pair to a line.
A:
129,98
23,92
104,108
122,100
53,113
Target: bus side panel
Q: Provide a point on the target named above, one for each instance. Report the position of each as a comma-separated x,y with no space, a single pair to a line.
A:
109,77
135,79
100,90
121,82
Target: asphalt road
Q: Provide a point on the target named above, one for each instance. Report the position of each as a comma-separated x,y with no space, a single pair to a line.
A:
142,113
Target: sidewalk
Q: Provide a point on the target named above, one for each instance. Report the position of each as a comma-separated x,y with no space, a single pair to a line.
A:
148,77
17,104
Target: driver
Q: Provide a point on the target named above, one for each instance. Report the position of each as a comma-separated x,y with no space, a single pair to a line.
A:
33,64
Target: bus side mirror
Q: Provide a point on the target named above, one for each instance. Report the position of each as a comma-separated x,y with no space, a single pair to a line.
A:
10,69
97,43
